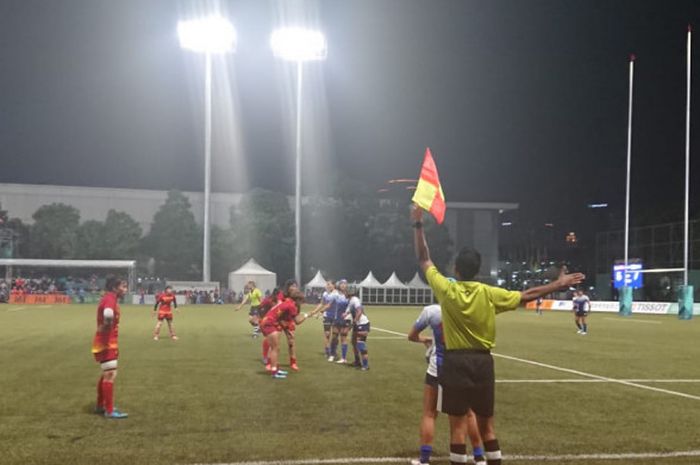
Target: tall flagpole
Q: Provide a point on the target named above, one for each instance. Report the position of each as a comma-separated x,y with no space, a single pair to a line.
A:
626,297
687,162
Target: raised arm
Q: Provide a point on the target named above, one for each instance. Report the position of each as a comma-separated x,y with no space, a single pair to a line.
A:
419,243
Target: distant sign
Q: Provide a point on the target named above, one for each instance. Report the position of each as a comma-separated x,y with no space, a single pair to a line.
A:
632,278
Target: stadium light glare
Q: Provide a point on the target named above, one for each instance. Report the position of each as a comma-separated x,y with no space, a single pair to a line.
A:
298,45
212,35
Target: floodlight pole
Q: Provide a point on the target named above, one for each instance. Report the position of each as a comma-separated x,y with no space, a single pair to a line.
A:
297,189
206,255
687,162
625,296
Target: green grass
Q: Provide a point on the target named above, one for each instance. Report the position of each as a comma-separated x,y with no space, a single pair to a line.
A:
206,398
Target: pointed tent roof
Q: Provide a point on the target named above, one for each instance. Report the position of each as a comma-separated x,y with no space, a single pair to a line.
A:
394,282
417,283
253,267
369,281
317,281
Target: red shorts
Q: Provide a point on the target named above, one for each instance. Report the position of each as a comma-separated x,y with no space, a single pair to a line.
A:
165,316
269,328
289,326
106,355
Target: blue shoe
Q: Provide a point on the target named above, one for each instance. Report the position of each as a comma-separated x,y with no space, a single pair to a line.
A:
279,375
116,415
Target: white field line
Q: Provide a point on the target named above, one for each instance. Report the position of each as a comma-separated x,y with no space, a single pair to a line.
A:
521,458
581,373
396,338
17,309
579,380
605,378
627,320
389,331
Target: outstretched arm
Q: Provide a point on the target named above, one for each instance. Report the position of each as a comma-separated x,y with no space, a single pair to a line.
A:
564,281
419,243
415,336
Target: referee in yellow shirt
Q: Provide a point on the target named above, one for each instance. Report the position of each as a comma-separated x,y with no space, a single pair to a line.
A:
466,377
254,296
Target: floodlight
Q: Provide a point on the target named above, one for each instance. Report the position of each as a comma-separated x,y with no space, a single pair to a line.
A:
296,44
213,34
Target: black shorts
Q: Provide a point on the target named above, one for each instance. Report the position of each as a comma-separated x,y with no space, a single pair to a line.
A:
361,328
254,311
431,380
581,313
327,323
342,323
468,381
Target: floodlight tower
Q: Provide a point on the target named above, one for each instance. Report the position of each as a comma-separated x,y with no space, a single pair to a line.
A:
212,35
298,45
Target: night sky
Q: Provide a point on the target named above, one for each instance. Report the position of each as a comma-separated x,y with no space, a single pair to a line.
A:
520,101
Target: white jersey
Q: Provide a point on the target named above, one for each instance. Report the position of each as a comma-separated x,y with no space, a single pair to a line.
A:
354,305
431,316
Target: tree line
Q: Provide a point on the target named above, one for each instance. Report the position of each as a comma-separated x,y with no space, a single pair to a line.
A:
342,238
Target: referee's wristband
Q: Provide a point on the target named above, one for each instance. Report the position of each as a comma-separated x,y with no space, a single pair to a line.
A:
418,224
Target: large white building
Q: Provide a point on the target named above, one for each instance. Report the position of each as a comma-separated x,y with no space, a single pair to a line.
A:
469,223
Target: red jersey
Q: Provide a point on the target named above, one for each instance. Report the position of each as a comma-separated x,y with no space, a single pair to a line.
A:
284,311
104,341
165,301
265,305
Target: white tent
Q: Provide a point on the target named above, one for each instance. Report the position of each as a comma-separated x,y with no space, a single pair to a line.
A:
370,282
371,290
318,281
419,292
265,280
395,292
417,283
394,282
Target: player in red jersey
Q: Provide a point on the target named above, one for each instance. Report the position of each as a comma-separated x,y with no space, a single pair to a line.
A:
265,305
105,346
271,325
164,305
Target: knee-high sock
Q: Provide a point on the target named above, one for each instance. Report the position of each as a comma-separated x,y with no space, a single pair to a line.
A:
344,350
100,398
493,452
458,454
265,348
108,395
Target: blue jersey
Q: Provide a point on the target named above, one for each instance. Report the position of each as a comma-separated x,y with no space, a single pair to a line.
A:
332,299
432,316
342,305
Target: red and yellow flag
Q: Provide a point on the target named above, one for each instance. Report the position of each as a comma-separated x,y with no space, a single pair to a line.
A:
429,195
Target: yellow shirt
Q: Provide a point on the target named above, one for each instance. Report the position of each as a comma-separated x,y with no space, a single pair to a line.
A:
469,310
255,297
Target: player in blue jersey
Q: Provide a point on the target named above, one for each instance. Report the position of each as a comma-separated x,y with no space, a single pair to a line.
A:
328,305
360,330
582,305
342,323
431,316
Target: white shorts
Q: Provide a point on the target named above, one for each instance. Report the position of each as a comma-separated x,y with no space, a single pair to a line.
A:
110,365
